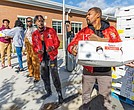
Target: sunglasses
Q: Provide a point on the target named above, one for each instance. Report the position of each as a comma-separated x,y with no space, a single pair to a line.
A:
29,21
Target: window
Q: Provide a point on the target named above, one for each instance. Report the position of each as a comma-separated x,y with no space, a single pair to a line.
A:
57,25
23,20
76,27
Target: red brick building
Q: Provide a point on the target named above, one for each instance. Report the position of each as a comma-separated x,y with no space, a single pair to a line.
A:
52,12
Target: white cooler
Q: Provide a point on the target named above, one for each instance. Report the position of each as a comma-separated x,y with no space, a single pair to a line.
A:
105,54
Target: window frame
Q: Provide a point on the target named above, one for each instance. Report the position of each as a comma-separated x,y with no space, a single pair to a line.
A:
56,20
21,16
75,22
24,17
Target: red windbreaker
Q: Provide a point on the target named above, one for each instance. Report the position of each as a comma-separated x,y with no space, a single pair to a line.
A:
50,39
85,33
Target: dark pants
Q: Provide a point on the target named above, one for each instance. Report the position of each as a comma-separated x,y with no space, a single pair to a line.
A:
46,68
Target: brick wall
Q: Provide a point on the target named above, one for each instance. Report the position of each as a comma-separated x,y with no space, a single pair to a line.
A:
11,10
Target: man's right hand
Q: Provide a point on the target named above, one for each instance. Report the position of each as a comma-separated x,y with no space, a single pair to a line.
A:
74,50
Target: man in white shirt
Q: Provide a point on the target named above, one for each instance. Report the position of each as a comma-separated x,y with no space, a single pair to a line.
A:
32,58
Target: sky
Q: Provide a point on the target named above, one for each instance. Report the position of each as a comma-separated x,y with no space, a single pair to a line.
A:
108,6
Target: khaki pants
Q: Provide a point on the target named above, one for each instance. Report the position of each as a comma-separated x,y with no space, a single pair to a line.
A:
32,61
104,84
5,48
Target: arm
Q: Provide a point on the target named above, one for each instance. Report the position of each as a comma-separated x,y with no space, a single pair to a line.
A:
55,40
72,47
34,42
117,37
10,33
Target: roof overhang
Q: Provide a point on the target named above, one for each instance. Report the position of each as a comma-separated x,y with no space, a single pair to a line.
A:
57,6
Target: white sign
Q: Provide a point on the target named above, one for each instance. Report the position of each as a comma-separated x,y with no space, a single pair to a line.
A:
105,54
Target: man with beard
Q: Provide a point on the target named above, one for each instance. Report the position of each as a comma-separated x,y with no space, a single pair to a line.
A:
45,44
32,58
101,29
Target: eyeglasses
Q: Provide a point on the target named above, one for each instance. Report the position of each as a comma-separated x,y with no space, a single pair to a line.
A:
29,21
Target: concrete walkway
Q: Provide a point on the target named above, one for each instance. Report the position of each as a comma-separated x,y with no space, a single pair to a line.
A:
16,89
19,92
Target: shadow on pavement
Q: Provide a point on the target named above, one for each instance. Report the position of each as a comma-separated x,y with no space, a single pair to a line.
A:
6,91
96,103
6,95
15,64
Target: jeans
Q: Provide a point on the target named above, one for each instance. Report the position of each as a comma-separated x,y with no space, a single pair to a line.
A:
46,68
19,55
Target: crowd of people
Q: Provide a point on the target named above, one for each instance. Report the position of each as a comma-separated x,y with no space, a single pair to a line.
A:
41,44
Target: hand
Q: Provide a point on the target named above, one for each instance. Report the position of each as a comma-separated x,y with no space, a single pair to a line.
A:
130,64
74,50
50,48
6,37
42,37
40,52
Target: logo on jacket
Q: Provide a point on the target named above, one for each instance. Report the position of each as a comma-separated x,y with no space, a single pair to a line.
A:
49,36
113,35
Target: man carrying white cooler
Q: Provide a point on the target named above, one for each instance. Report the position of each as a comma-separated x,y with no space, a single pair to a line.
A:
101,29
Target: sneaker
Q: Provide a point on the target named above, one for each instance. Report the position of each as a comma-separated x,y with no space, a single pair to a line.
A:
21,69
2,66
17,68
10,66
36,81
29,76
17,71
46,95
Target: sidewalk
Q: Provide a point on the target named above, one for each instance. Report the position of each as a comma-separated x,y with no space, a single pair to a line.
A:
16,90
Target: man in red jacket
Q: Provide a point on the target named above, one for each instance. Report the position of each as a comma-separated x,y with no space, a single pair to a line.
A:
45,44
101,28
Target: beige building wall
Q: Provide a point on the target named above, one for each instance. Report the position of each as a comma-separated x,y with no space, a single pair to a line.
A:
12,10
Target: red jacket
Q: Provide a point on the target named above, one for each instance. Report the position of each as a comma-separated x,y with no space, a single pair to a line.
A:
85,33
50,39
